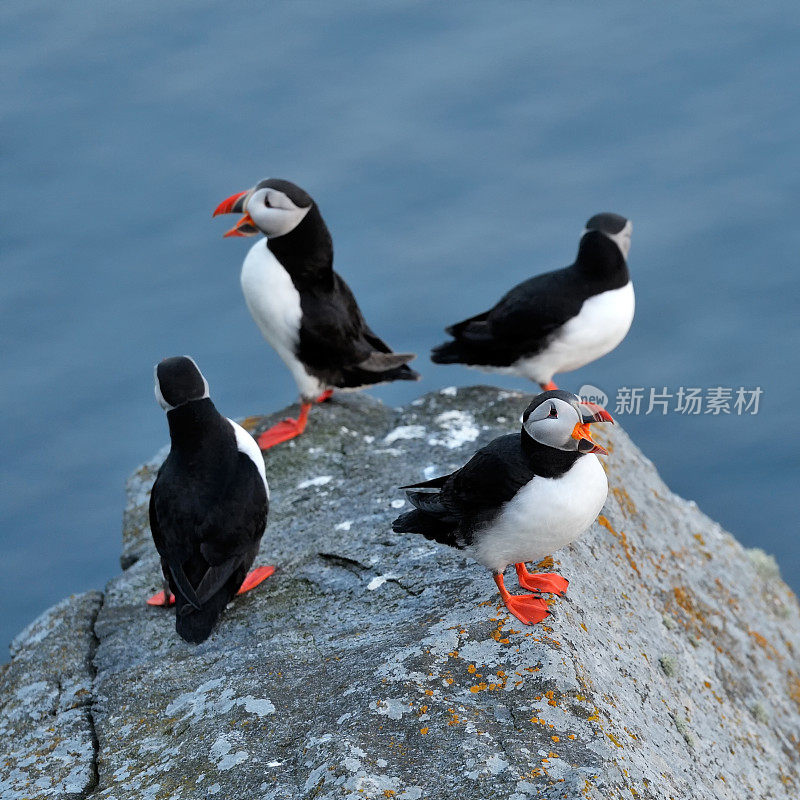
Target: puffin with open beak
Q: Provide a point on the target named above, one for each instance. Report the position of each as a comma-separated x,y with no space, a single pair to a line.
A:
302,306
520,498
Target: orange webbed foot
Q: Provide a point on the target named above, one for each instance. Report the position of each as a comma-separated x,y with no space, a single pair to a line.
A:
527,608
325,396
284,430
541,581
254,578
161,599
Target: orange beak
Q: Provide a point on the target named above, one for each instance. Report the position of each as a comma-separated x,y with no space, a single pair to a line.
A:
585,442
235,205
231,205
244,227
595,413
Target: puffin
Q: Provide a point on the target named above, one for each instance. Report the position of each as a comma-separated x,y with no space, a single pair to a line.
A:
520,498
303,307
558,321
208,505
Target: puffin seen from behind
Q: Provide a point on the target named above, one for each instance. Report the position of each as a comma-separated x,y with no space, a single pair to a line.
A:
558,321
521,497
208,506
302,306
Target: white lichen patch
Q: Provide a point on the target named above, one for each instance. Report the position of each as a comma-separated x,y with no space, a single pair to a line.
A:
457,429
223,755
204,703
320,480
344,526
394,708
378,581
495,764
405,432
260,706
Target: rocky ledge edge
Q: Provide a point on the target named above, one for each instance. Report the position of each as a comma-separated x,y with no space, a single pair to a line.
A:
377,665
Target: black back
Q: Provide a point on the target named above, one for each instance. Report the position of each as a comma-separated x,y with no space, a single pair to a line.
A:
471,497
208,511
334,336
526,318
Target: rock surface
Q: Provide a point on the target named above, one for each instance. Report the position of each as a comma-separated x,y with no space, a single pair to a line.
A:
376,665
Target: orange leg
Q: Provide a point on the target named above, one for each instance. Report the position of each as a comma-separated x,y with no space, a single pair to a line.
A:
285,430
325,396
253,579
540,581
527,608
548,387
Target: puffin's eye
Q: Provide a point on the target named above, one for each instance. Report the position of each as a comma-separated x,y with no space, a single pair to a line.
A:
553,413
266,201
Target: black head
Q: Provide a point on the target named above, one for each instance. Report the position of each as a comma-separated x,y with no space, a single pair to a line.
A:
608,223
300,197
559,419
179,381
605,226
273,207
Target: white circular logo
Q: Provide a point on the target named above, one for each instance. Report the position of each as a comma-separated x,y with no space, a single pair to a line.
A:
591,394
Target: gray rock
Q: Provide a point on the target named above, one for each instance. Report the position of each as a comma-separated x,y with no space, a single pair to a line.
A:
377,665
46,725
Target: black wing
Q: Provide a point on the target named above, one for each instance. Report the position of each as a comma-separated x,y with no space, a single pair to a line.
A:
488,480
519,324
337,344
201,558
333,327
535,308
468,497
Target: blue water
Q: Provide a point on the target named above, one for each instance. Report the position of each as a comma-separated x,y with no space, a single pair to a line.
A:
454,150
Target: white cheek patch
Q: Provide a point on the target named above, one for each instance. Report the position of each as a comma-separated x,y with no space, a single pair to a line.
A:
554,432
279,218
623,239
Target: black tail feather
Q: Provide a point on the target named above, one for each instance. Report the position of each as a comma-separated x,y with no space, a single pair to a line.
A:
448,353
195,625
361,377
432,528
433,483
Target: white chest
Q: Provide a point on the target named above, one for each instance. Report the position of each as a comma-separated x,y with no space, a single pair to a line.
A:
274,304
271,297
544,516
597,329
246,444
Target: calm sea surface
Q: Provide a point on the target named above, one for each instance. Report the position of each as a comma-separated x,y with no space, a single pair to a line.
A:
454,150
